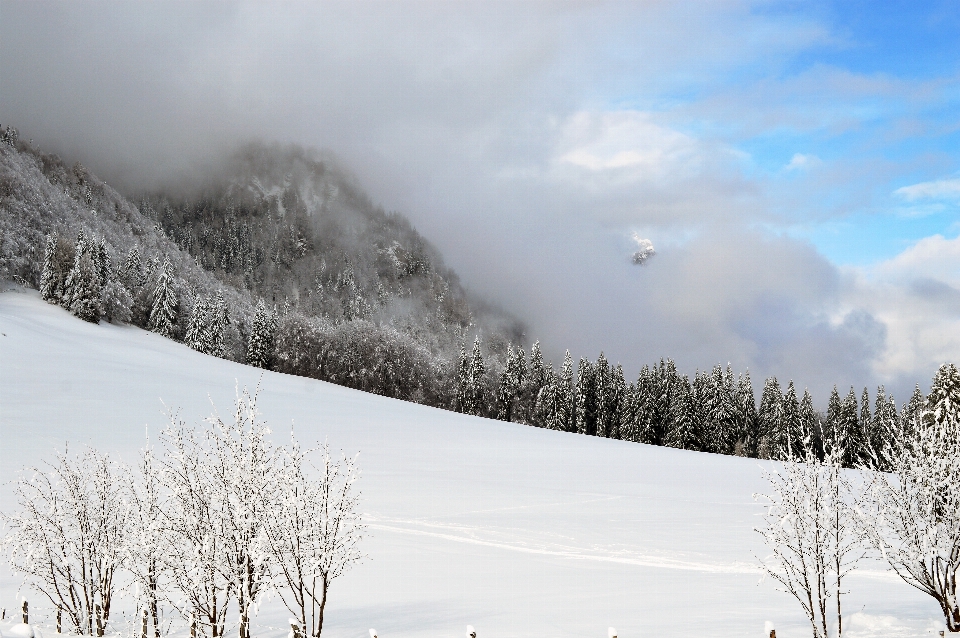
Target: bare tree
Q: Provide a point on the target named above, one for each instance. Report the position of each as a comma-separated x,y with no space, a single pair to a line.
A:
68,536
812,533
315,533
912,514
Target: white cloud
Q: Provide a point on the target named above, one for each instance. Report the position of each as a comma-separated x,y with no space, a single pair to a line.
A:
938,189
917,296
612,141
801,162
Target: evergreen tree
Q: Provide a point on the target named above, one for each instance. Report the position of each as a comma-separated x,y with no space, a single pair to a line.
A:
509,387
217,325
602,390
133,270
943,402
769,418
911,410
50,279
197,329
565,412
789,433
833,430
883,429
163,314
261,344
851,436
810,429
116,302
747,416
80,249
477,399
684,434
463,382
617,402
84,285
585,398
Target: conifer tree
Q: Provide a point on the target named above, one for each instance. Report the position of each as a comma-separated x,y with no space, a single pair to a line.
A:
810,428
685,433
463,382
217,326
602,390
789,435
911,410
747,415
943,402
833,433
196,336
509,388
769,418
477,399
80,248
565,412
585,398
84,284
261,344
851,436
617,402
116,301
50,279
163,313
133,269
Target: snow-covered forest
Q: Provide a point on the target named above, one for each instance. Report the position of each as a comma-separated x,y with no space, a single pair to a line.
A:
282,262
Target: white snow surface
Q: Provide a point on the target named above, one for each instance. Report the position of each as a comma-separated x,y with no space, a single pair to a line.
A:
515,530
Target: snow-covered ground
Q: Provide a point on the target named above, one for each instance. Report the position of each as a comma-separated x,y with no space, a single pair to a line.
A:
514,530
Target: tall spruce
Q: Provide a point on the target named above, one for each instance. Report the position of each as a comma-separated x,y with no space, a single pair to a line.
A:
477,389
163,314
768,419
262,341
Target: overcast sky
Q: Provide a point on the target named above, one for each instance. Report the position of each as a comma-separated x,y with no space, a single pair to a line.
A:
794,164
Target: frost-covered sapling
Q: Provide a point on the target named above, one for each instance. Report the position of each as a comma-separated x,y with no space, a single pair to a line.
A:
316,531
810,529
68,537
912,513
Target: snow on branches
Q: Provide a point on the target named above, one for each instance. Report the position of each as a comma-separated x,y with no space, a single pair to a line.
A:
211,521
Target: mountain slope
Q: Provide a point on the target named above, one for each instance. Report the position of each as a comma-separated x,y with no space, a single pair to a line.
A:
518,531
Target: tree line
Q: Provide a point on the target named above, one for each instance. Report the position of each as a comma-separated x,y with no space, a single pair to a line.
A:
714,411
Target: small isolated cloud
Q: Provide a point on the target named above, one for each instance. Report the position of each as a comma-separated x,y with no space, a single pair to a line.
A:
937,189
644,250
801,162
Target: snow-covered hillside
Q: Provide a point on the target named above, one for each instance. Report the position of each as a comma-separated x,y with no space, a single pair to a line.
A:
515,530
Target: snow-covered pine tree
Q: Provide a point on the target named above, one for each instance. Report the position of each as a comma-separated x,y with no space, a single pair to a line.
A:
617,402
910,410
565,409
79,248
84,285
684,434
261,344
602,390
832,433
217,325
49,276
852,439
746,404
585,398
116,302
943,402
789,433
196,336
509,388
865,426
163,313
478,381
132,271
462,382
883,428
101,260
771,401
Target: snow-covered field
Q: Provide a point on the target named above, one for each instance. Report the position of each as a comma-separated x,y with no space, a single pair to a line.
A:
514,530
